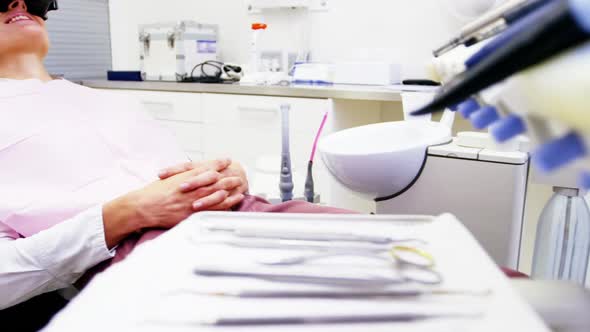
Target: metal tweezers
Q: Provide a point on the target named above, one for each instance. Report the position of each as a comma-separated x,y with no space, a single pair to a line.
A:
309,236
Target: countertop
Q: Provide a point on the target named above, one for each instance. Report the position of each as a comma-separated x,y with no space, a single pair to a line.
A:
350,92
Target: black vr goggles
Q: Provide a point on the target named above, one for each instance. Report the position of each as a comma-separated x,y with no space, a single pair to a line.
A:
34,7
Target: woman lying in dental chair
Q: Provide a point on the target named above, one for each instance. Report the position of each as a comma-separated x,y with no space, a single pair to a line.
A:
79,172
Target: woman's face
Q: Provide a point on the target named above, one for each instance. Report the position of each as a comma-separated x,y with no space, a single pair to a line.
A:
21,32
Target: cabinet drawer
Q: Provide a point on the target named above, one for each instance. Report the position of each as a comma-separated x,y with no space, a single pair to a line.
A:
263,113
188,135
178,106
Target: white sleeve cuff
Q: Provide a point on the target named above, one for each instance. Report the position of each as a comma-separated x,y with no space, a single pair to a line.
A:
70,248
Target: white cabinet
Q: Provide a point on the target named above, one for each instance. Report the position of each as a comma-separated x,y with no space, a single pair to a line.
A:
180,113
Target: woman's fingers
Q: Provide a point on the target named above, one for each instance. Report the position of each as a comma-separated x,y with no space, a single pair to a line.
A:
227,184
207,202
217,165
234,199
202,180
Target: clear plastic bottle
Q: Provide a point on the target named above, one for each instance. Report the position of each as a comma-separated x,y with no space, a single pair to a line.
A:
562,247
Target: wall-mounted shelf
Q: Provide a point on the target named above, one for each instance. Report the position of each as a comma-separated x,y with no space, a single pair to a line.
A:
257,6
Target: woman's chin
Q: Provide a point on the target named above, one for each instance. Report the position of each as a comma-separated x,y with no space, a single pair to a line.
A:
33,43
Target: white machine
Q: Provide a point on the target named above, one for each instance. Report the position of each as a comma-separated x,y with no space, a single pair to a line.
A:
485,188
170,51
416,167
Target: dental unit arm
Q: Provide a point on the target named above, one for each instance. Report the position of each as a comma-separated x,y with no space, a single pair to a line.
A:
559,26
550,100
35,7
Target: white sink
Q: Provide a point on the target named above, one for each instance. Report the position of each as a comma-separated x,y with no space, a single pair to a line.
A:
382,159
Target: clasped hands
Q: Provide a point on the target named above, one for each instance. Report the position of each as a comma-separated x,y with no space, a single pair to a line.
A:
182,190
216,185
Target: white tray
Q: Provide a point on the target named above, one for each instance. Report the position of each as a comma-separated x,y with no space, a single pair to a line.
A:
155,288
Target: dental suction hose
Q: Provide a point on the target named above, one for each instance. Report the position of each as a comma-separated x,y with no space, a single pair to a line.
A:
286,183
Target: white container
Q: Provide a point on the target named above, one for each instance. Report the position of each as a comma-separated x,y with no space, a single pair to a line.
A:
170,51
367,73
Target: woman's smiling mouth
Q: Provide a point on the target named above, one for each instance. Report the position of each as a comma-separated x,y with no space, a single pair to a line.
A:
19,18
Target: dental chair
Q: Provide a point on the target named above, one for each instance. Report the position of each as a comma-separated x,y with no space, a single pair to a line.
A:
34,314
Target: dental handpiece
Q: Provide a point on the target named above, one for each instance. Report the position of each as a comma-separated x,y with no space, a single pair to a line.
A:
286,182
491,24
554,28
473,27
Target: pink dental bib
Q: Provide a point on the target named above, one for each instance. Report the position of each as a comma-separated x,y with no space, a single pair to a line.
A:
65,148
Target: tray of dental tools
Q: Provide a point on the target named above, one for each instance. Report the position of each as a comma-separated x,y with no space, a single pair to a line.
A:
346,273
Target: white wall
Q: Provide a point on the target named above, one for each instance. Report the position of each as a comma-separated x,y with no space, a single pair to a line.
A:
392,30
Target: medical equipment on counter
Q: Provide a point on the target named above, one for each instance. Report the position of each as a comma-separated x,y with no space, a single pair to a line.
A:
213,71
556,27
562,247
286,180
262,70
170,51
313,74
257,28
35,7
491,24
359,73
367,73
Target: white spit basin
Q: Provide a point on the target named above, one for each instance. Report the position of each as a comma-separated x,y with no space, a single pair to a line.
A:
382,159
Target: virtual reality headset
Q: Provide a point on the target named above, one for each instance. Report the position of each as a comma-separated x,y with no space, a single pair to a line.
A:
34,7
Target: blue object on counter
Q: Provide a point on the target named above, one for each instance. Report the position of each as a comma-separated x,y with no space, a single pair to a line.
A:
133,76
484,117
468,107
559,152
310,82
507,128
584,180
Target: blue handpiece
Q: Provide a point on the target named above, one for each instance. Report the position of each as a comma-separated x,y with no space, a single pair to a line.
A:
559,152
484,117
581,13
584,180
507,128
468,107
286,183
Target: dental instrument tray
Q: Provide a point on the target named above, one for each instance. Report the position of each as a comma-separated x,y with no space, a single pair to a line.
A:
300,268
227,271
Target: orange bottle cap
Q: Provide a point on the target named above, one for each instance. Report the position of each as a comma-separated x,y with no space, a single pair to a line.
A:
259,26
